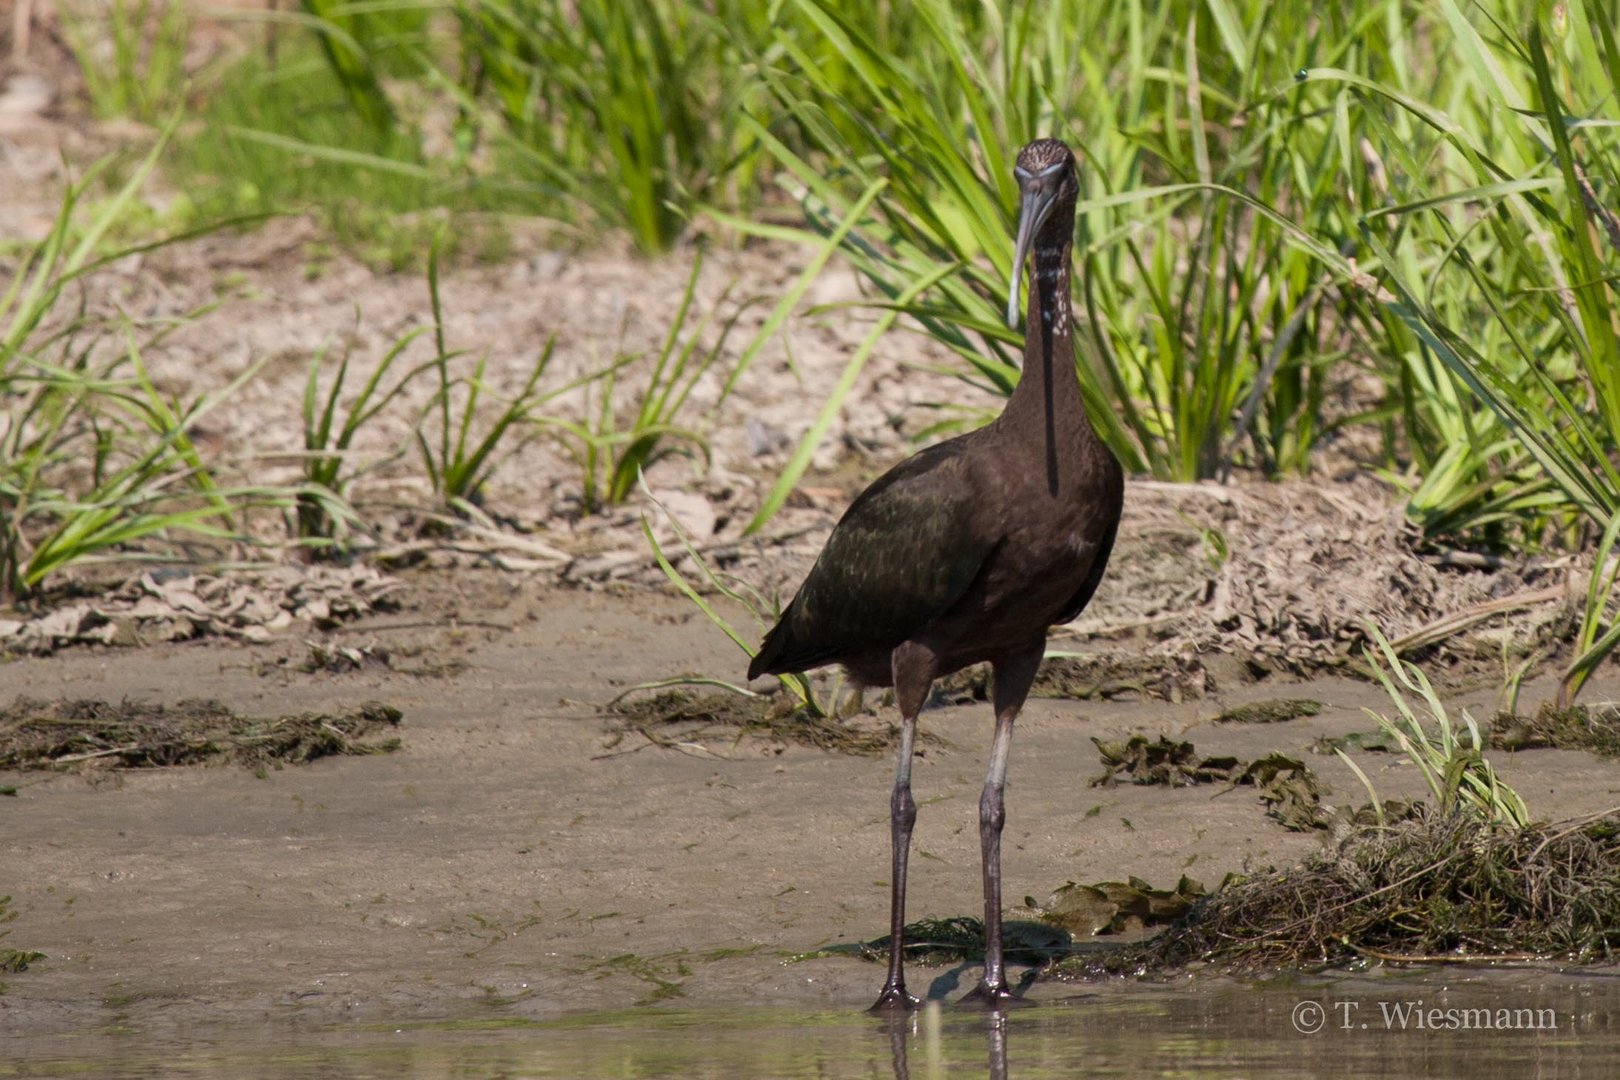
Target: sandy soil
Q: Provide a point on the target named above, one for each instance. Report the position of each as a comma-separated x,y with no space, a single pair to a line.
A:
1307,565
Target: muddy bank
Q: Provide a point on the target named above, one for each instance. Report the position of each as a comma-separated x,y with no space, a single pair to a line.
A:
509,861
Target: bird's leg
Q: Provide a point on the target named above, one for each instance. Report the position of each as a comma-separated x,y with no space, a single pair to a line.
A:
998,1046
1013,678
902,816
913,674
897,1026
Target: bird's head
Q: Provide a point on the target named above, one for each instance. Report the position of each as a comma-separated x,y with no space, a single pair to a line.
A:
1047,180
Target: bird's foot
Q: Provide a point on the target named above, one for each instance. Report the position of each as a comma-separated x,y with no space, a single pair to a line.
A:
894,999
997,998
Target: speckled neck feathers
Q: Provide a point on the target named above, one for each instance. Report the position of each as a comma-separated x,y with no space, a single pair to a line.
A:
1046,406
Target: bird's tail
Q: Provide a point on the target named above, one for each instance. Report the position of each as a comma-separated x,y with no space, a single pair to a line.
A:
771,651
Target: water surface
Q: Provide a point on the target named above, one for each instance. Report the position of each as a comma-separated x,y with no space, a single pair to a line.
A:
1499,1024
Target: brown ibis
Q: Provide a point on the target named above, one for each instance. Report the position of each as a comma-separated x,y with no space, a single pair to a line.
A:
969,551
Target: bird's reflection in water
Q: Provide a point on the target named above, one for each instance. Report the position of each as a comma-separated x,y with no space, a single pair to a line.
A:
926,1024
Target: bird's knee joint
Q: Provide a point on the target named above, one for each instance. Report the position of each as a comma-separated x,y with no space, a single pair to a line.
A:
992,814
903,807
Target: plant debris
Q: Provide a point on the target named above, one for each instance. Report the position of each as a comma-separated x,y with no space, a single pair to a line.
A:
340,659
1311,567
1162,761
53,734
1114,907
683,719
1433,888
178,605
334,658
1579,727
1270,711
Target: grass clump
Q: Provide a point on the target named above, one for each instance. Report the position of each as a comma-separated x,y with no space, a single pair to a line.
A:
1437,887
456,444
132,54
647,92
96,463
325,518
612,455
1449,754
283,135
56,734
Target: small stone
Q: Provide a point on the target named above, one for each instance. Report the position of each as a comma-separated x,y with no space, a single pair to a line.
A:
25,96
765,438
64,624
691,511
118,630
548,264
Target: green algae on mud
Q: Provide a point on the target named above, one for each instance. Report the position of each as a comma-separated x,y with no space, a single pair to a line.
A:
1290,790
1160,761
1287,786
13,961
1270,711
38,734
1116,907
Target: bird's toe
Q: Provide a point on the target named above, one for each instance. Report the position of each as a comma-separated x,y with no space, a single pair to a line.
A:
894,999
986,996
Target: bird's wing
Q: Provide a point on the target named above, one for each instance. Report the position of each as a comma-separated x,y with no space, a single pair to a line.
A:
1099,563
902,555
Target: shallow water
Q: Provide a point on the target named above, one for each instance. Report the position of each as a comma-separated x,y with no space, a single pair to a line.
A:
1499,1024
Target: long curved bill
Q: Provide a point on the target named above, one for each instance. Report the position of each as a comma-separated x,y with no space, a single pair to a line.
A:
1037,203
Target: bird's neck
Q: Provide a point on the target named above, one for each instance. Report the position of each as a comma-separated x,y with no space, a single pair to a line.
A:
1046,404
